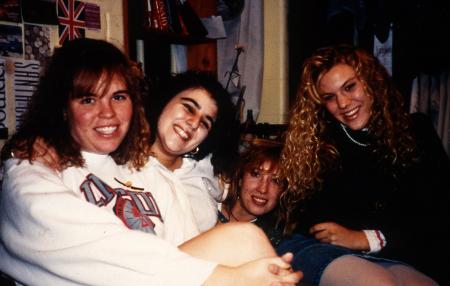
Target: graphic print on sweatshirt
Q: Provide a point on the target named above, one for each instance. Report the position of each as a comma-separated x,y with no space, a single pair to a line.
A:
133,208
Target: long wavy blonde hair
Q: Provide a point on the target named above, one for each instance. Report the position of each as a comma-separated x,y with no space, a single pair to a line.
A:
307,155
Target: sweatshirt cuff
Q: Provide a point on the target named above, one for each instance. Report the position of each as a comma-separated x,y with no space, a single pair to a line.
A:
376,239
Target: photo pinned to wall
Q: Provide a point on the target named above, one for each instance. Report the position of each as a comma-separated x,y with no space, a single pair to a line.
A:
3,109
39,11
71,19
25,79
11,44
37,42
10,11
92,16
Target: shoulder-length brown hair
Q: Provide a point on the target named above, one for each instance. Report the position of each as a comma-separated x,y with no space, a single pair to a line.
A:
307,154
73,72
259,151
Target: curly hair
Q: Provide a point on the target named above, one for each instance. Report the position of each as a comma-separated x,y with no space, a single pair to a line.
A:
307,154
73,72
223,138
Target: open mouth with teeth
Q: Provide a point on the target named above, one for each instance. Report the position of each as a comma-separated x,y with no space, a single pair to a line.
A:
352,114
259,201
183,134
106,130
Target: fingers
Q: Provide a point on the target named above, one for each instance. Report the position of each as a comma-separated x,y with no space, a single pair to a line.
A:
47,156
278,263
40,148
327,232
291,279
322,226
287,257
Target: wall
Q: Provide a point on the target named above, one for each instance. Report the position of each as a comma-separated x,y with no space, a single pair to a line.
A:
274,102
111,22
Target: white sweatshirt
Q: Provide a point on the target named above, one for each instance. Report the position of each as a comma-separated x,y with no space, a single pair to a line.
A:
70,228
202,188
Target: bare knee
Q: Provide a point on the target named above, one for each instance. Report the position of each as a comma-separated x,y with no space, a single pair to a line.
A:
251,236
230,244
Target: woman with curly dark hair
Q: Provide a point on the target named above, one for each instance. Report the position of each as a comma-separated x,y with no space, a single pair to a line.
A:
194,138
357,166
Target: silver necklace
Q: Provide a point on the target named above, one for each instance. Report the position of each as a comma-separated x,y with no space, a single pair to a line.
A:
351,138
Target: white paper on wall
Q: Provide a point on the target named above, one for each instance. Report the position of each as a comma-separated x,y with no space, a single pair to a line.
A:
26,79
3,112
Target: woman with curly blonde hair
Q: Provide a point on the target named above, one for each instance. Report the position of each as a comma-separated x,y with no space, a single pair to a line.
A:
357,165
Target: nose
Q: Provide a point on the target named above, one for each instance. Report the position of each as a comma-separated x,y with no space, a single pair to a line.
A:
343,101
194,122
264,185
107,109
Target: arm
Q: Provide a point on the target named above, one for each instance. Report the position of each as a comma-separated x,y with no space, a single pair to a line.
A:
52,237
252,261
333,233
254,273
49,236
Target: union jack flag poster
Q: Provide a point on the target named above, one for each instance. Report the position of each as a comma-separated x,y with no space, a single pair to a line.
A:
71,20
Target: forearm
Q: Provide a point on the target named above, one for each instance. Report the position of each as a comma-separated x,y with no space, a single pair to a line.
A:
223,276
57,236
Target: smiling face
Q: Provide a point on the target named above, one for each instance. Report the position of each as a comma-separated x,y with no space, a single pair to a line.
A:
184,123
99,121
260,190
344,96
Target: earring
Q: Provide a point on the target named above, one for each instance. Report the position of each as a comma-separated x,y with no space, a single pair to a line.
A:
195,151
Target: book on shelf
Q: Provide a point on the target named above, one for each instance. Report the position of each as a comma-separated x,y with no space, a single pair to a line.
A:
190,19
156,15
175,16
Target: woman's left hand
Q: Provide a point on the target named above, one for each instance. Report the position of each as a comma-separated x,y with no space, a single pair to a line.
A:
333,233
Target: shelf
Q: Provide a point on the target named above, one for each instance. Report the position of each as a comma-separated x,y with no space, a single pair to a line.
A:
173,38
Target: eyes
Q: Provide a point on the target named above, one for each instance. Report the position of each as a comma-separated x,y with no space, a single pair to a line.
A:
116,97
205,122
348,87
258,174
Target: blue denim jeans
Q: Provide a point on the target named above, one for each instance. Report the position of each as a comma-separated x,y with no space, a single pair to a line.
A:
312,256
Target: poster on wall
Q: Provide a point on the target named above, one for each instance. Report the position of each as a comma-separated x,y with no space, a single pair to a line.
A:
37,42
10,11
92,16
3,112
25,79
11,41
39,11
71,20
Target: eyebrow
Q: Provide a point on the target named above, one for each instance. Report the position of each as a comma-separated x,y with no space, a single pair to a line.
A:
195,103
343,85
349,80
122,91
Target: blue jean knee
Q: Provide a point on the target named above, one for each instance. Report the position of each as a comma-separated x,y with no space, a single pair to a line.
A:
311,256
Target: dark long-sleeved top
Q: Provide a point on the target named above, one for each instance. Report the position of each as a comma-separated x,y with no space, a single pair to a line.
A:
411,208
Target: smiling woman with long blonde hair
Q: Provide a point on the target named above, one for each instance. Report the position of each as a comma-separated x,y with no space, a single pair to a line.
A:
358,168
